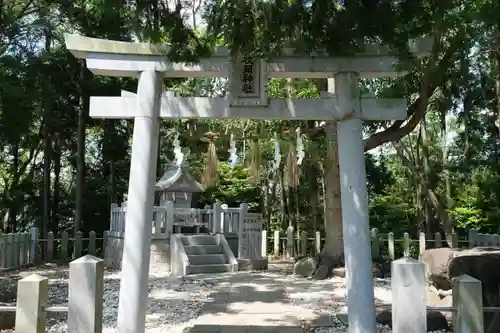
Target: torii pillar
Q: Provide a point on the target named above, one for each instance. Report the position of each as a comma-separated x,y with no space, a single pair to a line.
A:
149,62
354,199
136,256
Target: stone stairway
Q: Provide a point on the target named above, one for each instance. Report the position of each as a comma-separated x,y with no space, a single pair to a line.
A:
205,254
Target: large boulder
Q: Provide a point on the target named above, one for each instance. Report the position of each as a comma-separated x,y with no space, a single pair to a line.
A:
255,264
436,266
436,321
325,266
376,270
484,265
305,267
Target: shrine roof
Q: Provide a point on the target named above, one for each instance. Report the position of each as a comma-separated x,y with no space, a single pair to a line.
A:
178,179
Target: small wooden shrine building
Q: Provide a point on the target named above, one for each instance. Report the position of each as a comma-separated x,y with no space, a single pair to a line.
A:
177,185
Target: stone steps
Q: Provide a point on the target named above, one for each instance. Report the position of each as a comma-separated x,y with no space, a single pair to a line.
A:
194,240
203,269
205,255
207,259
205,249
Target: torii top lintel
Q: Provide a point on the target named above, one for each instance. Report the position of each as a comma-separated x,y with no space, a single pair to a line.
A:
115,58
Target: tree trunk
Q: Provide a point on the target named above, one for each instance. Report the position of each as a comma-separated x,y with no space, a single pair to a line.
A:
429,221
334,243
446,173
313,186
80,161
108,154
282,200
113,198
430,196
57,185
496,52
47,146
313,189
15,200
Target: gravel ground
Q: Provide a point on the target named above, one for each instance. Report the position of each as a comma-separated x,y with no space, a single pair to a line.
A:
329,296
173,302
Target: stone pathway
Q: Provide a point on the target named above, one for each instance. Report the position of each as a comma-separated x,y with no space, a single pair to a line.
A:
253,302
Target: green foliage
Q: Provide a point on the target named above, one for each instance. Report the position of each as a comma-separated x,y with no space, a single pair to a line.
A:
42,90
391,213
233,189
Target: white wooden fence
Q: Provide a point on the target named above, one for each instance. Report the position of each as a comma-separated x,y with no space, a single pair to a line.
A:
289,244
20,249
86,281
17,249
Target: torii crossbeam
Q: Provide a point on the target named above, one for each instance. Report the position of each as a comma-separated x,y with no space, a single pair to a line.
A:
247,98
201,107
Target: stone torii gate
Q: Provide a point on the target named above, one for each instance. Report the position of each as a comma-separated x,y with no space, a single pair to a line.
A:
247,98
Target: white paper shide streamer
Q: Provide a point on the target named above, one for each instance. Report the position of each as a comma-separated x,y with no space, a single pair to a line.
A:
277,154
178,154
300,147
233,157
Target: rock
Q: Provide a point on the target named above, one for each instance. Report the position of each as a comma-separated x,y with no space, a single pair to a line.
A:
377,271
385,318
260,264
321,273
436,266
299,258
7,319
436,321
339,272
446,302
484,266
244,264
325,266
433,298
305,267
386,268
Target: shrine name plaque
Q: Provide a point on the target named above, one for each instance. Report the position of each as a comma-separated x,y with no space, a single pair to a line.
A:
251,237
248,82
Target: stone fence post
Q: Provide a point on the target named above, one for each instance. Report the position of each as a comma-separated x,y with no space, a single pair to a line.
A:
216,211
170,210
468,302
34,245
85,299
290,243
408,288
32,295
276,243
471,237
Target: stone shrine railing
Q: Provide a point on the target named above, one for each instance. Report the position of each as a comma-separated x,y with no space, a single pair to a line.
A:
166,219
235,221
